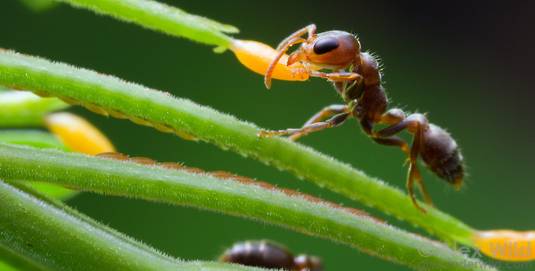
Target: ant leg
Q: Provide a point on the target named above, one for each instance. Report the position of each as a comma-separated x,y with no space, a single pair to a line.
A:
416,125
391,117
410,189
393,141
423,189
337,76
414,173
322,115
313,127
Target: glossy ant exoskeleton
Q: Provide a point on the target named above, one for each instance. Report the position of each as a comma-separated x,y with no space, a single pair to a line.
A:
269,255
357,78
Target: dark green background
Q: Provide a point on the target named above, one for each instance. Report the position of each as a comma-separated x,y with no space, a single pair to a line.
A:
469,65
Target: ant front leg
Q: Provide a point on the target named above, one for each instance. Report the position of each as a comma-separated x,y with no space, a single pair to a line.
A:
330,116
415,124
338,76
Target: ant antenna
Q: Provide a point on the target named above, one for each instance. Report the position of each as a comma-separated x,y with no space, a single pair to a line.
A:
281,52
282,48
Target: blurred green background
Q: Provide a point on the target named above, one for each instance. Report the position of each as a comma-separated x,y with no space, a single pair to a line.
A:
468,64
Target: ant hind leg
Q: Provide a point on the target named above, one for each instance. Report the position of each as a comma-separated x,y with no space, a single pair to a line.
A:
414,172
391,117
416,125
393,141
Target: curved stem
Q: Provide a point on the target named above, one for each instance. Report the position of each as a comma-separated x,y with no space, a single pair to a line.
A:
32,227
110,95
232,197
162,18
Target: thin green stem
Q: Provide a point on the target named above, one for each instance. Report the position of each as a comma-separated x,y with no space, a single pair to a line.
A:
162,18
32,227
231,197
34,138
23,108
164,112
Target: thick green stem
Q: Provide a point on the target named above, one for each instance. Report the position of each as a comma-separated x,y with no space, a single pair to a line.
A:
231,197
55,237
39,139
10,261
146,106
162,18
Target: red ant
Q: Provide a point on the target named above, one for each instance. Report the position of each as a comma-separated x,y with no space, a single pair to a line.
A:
356,77
269,255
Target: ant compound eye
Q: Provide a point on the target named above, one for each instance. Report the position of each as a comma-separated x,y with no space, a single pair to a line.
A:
325,45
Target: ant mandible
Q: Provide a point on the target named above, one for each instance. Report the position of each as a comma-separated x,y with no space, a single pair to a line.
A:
356,77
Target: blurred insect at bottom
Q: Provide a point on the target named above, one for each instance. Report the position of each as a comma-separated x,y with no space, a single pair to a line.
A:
268,254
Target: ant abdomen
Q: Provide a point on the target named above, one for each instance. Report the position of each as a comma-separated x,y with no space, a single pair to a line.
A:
442,155
269,255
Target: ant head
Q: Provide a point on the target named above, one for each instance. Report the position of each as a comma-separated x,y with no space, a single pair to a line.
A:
332,50
308,263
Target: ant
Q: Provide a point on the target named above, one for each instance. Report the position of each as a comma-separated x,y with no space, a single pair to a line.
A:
356,76
268,254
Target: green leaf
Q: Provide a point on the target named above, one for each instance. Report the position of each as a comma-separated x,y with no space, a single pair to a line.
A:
162,18
124,178
160,110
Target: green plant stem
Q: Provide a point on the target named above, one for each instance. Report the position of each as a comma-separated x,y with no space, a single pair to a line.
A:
10,261
162,18
23,108
39,139
179,187
160,110
33,227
